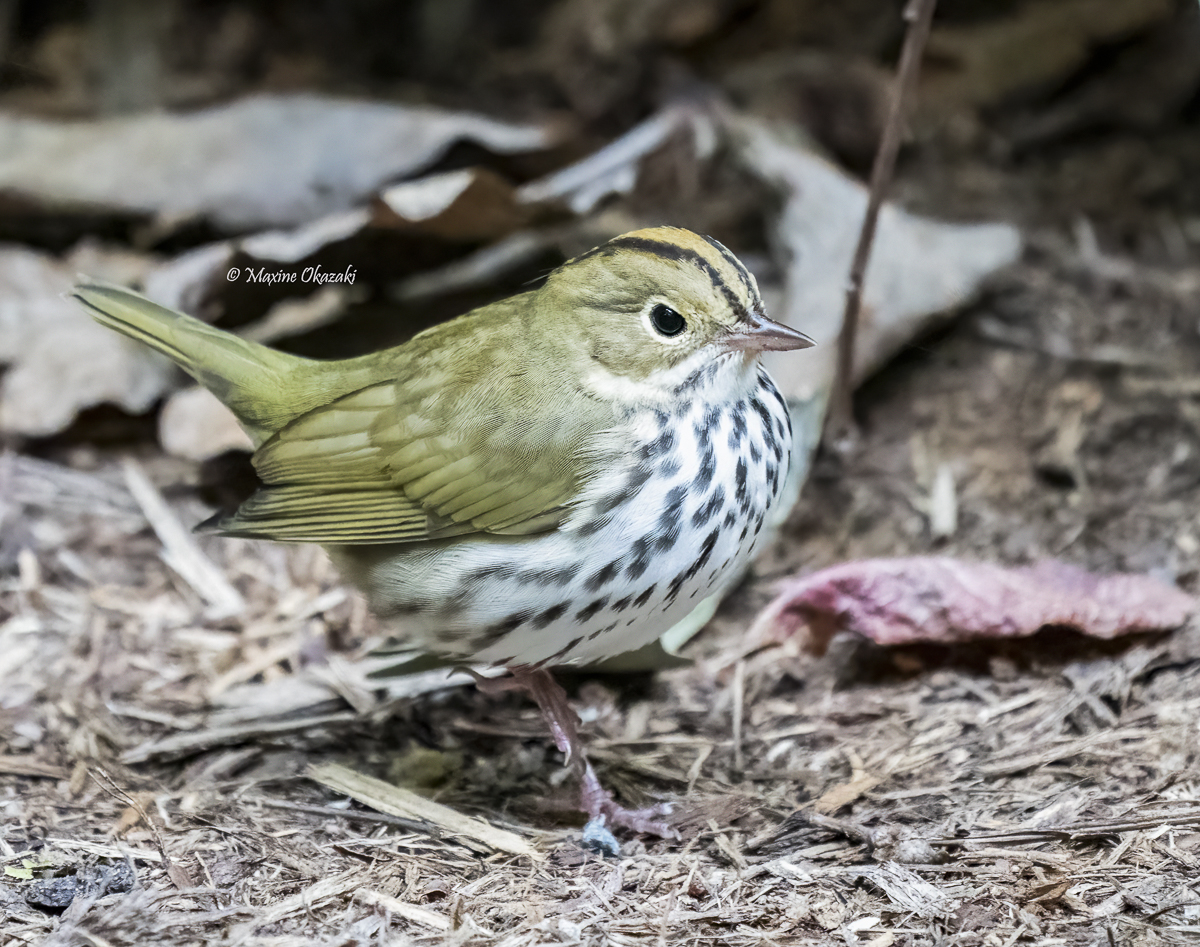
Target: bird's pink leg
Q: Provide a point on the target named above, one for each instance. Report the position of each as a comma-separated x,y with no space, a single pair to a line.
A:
599,804
563,722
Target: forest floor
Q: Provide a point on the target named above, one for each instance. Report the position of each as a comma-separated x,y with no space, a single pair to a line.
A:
1040,791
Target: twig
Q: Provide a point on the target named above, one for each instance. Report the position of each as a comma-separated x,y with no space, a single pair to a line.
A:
1079,832
1170,907
358,815
410,912
193,741
919,14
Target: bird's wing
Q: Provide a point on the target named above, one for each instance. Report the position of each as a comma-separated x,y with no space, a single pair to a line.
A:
424,458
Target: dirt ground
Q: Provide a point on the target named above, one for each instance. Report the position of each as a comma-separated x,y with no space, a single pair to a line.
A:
1041,791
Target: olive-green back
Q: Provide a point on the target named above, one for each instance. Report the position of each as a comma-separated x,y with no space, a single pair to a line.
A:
456,431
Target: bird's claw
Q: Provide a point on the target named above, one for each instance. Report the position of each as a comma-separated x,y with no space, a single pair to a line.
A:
602,809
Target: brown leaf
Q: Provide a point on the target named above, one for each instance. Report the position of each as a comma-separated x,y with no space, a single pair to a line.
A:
467,204
939,599
180,877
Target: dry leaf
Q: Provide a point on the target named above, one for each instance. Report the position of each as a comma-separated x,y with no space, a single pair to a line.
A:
59,360
194,425
262,161
614,168
920,270
468,204
63,362
944,600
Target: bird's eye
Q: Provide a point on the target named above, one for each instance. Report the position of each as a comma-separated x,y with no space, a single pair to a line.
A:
667,321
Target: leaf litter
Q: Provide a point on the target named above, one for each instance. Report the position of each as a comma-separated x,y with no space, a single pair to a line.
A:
222,164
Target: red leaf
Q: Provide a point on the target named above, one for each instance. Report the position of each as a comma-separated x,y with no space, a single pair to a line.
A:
939,599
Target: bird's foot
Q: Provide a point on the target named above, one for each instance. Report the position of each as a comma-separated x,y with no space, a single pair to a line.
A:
604,810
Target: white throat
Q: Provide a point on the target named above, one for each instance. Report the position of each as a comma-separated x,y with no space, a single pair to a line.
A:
701,375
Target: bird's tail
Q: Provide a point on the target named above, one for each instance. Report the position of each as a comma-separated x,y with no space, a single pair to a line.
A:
257,383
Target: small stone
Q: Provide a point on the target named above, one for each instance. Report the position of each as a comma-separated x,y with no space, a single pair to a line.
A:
598,839
56,894
52,894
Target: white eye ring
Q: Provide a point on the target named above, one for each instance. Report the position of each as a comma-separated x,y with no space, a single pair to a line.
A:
665,323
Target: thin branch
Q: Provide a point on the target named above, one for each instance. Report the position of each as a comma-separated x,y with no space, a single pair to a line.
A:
919,14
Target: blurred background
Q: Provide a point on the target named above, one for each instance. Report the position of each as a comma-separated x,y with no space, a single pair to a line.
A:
446,153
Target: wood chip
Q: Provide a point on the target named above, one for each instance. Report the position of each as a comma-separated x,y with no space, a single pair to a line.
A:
410,912
304,901
406,804
28,765
180,551
106,851
845,793
908,891
183,744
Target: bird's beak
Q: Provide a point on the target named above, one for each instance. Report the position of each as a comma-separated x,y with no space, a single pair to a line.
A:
757,333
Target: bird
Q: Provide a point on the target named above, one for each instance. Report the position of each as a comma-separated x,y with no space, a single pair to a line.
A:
551,479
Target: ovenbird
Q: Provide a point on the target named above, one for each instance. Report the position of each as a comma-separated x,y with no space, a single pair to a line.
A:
554,478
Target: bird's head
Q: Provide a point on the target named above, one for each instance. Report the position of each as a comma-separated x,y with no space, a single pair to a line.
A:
656,306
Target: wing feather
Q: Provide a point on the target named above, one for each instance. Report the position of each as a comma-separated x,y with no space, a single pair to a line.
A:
433,448
298,514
